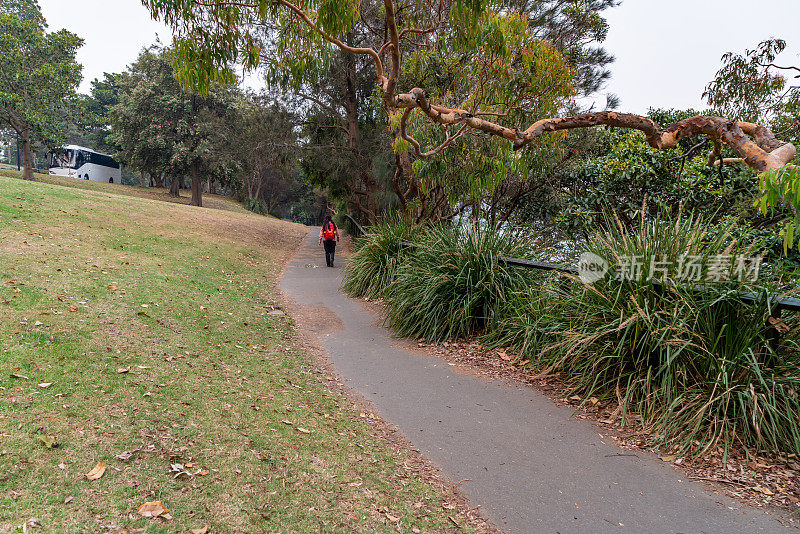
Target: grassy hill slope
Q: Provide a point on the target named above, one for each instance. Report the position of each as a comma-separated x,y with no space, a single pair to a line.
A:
152,193
138,333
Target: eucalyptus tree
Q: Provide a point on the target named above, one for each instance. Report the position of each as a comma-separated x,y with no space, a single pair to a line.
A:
758,87
753,86
346,141
39,77
577,30
349,153
211,35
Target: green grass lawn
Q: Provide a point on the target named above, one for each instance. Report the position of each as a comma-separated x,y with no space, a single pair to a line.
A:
152,193
128,324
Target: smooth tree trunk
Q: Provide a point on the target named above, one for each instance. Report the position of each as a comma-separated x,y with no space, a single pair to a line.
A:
27,155
197,186
144,181
159,179
174,188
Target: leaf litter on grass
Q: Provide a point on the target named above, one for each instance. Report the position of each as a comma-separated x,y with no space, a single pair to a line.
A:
97,472
199,410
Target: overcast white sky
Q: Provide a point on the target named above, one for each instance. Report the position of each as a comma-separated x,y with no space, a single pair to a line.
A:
666,50
114,32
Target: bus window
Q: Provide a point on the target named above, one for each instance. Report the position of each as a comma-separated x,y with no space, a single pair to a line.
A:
63,160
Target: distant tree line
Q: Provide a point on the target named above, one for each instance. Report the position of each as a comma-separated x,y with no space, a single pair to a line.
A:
323,137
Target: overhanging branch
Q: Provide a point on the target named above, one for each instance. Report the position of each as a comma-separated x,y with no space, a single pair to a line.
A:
756,145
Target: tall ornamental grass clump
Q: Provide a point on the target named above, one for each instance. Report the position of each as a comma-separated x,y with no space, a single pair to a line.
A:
454,282
697,366
378,256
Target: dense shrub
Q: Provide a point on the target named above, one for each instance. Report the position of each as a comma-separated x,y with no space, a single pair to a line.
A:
377,258
453,283
695,363
689,362
256,205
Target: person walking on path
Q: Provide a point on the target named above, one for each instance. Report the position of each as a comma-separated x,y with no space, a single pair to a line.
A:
328,237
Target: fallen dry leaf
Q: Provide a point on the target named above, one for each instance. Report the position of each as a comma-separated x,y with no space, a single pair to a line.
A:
45,385
123,370
152,509
779,325
203,530
303,430
48,441
125,456
14,375
112,287
68,499
97,472
670,458
73,308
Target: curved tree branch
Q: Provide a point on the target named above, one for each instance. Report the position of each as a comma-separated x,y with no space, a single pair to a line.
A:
756,145
763,152
414,143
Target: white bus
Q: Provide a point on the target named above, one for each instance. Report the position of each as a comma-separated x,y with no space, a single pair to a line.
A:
85,164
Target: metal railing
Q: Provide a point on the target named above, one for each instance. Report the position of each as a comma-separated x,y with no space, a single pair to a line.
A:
776,304
355,222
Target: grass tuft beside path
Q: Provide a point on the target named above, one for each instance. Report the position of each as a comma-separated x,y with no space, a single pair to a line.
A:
138,334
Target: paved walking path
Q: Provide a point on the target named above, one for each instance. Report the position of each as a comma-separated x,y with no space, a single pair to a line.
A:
529,465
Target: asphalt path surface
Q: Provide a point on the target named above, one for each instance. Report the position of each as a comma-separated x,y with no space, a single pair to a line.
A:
529,465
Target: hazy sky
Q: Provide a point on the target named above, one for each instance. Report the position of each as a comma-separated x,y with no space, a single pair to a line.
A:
114,32
666,50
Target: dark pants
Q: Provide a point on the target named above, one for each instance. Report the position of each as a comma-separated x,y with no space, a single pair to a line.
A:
330,251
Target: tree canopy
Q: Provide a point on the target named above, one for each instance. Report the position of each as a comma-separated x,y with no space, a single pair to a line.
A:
39,77
213,34
168,132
